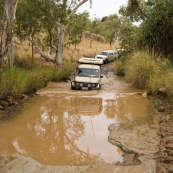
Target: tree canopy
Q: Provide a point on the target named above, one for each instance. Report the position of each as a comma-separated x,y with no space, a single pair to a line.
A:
156,28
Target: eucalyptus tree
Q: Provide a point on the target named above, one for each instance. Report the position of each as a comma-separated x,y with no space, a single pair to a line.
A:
76,26
94,29
110,29
156,28
53,17
7,19
29,16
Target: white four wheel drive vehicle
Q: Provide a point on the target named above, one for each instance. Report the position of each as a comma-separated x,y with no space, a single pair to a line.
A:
107,56
87,75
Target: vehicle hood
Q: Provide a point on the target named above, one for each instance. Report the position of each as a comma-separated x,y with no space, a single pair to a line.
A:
87,79
101,56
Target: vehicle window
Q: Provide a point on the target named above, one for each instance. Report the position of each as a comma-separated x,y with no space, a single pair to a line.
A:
88,72
104,53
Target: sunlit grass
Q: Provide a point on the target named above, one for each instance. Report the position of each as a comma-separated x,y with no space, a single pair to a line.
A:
139,68
19,80
150,72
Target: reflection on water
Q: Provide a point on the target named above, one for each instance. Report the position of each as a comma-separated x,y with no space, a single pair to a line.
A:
70,130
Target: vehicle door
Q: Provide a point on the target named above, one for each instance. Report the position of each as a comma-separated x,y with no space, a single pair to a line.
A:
116,54
111,56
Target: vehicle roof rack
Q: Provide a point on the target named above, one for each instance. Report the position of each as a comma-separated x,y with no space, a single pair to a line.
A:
90,61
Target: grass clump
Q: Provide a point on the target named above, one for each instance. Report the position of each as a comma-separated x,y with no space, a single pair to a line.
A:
19,80
144,71
163,79
120,64
139,68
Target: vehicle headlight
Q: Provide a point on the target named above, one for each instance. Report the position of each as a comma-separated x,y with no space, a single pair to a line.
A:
73,83
81,84
89,85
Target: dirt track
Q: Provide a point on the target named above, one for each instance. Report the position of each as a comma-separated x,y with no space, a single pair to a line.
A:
156,157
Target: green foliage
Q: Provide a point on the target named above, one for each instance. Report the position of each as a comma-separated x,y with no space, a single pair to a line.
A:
110,28
156,29
139,68
120,63
64,73
28,18
18,81
163,78
76,27
119,66
148,72
128,35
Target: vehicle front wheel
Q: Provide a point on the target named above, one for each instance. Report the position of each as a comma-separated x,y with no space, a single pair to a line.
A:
73,88
99,87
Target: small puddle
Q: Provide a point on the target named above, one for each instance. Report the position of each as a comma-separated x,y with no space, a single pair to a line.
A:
61,129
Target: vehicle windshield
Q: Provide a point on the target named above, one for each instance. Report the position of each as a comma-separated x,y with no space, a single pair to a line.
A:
104,53
88,72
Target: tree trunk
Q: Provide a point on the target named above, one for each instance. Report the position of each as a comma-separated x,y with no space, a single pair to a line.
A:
59,55
84,38
116,41
91,40
11,55
32,47
7,32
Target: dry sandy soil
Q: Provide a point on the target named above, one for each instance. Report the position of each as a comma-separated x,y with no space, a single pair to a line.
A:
149,153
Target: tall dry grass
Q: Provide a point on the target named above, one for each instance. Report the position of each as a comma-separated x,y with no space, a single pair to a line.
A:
84,50
149,72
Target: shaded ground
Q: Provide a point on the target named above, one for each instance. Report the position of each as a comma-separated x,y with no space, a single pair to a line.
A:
147,150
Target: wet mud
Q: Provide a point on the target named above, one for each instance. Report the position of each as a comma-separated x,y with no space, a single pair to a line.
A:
146,142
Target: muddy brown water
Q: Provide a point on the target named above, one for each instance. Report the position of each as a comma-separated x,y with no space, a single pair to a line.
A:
63,127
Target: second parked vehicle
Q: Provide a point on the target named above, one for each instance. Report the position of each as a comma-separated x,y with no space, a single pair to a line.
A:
107,56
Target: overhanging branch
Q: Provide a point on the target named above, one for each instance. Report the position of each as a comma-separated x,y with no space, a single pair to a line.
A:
46,57
74,10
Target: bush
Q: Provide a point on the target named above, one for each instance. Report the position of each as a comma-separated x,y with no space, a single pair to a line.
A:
162,79
119,66
19,81
13,82
139,68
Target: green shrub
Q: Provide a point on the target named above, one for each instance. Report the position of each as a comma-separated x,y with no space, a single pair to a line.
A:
162,79
119,66
120,63
139,68
18,80
13,82
64,73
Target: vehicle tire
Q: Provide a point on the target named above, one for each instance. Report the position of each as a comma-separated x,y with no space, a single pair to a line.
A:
106,61
99,87
73,88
